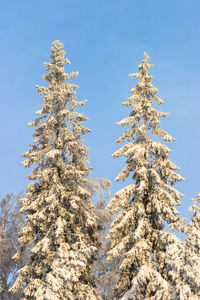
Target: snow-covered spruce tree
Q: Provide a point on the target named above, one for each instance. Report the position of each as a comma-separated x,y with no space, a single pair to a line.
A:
61,227
184,259
137,233
192,247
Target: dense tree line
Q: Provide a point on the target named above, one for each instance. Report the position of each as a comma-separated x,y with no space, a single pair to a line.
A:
55,243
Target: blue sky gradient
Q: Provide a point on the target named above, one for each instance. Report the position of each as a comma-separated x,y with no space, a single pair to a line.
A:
105,41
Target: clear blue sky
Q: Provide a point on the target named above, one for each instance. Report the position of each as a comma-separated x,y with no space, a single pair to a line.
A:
105,41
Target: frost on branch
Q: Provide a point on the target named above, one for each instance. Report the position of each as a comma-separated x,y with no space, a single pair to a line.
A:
61,228
137,237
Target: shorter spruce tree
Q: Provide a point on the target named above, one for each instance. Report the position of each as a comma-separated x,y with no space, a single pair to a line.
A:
138,238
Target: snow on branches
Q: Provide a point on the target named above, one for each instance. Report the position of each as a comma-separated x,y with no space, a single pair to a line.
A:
136,234
61,229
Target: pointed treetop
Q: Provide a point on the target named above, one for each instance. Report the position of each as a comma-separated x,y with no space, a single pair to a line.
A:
57,47
145,62
146,57
57,57
143,68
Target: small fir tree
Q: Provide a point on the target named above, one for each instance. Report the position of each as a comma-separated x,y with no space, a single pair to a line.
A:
137,236
184,259
61,227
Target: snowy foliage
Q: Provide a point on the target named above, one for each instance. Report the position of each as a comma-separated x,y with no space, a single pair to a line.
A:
137,236
184,259
61,224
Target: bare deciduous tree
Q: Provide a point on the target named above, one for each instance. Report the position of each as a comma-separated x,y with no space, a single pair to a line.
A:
11,221
106,275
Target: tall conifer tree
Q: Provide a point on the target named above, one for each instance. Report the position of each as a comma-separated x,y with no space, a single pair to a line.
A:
137,235
61,226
